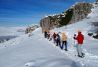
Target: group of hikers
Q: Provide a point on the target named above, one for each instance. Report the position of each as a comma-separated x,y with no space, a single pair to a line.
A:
60,39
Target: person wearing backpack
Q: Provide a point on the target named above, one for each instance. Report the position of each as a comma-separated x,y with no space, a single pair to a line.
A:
54,37
58,40
45,34
64,41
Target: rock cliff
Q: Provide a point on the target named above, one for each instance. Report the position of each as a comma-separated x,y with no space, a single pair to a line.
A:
74,14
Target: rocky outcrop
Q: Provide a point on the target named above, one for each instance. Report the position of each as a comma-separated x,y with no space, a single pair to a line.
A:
81,10
31,28
96,0
74,14
95,24
49,23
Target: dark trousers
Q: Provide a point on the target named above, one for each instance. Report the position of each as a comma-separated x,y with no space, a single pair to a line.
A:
58,43
64,44
54,40
45,35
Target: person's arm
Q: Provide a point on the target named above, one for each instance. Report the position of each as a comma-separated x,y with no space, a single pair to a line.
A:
75,37
83,37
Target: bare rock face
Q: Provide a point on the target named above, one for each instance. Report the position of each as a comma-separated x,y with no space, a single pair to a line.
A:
48,23
95,24
96,0
31,28
81,10
74,14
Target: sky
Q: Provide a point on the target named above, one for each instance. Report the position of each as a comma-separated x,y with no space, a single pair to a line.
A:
25,12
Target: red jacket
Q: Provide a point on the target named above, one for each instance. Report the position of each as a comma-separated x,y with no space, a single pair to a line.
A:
80,38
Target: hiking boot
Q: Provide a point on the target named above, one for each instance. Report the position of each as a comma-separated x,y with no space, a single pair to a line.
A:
80,56
65,49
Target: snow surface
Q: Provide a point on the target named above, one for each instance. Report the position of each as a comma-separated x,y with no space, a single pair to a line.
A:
36,51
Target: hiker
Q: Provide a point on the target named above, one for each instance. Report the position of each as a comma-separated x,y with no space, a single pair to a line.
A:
48,35
26,31
75,42
51,36
54,37
64,41
79,38
45,34
58,40
30,32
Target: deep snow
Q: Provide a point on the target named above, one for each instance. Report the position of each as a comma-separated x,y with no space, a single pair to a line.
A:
36,51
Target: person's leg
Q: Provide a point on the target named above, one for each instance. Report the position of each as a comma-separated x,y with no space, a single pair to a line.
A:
54,40
48,36
62,45
79,50
66,45
45,35
50,39
59,43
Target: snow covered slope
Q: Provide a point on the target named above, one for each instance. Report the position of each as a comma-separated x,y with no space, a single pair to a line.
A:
90,46
36,51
